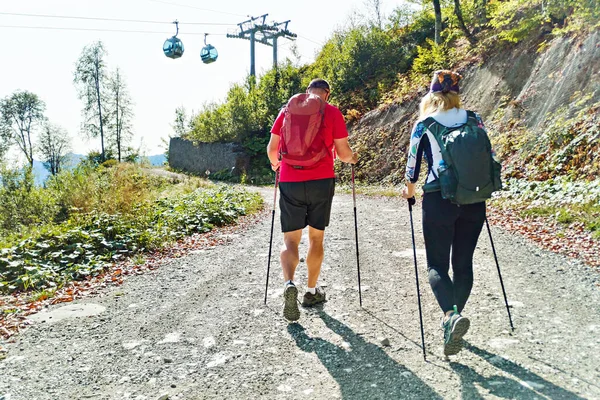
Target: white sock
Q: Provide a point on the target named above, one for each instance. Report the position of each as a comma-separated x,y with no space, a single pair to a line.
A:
290,282
312,290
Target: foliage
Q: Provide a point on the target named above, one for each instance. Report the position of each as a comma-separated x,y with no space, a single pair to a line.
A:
181,124
567,147
430,58
517,19
20,114
247,116
361,64
86,246
22,203
560,199
23,206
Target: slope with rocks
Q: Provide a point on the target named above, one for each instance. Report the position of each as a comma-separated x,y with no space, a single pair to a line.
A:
524,92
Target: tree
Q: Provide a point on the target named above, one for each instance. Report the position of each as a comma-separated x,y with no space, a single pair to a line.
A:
181,123
91,80
54,144
5,139
21,113
376,13
121,112
438,20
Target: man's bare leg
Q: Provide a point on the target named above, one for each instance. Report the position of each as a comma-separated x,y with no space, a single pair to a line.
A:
314,259
289,261
289,254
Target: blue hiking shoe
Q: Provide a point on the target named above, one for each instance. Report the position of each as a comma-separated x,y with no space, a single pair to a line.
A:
454,329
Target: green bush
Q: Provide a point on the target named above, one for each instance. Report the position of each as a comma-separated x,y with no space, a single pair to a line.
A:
518,19
88,244
430,58
23,204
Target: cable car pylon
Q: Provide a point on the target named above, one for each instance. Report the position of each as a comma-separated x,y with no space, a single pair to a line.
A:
262,33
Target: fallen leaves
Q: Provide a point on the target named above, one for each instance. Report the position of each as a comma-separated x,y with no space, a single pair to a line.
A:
572,240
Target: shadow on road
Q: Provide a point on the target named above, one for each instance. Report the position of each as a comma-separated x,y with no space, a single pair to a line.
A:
380,320
364,370
525,385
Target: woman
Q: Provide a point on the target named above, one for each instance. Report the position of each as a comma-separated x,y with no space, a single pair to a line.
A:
447,228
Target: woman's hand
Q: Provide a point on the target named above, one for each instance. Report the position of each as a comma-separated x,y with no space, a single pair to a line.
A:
408,191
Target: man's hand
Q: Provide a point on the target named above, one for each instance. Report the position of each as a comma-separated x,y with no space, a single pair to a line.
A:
275,166
354,158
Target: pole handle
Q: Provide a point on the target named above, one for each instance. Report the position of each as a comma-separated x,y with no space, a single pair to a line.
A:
411,202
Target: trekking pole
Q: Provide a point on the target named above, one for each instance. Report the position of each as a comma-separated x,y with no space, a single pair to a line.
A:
271,240
412,202
356,235
499,274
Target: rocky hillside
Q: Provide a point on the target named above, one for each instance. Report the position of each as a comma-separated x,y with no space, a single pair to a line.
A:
539,100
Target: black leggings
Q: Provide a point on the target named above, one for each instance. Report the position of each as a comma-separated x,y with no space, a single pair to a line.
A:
446,227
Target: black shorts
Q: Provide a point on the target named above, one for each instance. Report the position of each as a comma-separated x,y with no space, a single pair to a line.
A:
306,203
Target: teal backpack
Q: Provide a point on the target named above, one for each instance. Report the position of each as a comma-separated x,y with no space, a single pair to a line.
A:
468,172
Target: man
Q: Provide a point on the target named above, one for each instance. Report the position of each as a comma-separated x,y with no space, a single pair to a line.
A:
306,197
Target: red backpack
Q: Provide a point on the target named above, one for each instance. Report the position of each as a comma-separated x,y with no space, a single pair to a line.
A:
301,143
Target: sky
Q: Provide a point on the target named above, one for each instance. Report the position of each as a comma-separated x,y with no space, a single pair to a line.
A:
42,61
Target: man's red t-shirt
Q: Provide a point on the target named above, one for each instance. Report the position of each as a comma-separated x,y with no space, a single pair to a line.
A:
332,127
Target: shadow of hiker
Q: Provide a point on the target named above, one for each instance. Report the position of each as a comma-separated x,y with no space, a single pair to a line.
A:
396,330
527,384
364,371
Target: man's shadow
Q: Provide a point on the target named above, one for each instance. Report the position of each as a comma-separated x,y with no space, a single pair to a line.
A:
505,387
364,370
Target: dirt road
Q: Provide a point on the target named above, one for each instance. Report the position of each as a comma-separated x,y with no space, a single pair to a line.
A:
197,328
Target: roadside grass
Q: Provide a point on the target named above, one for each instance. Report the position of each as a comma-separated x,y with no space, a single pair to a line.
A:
369,190
587,214
120,214
565,202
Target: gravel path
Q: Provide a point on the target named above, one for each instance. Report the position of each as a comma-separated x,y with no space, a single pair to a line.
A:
196,328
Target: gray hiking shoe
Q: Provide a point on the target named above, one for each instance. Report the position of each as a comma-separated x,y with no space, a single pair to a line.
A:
310,299
290,303
454,329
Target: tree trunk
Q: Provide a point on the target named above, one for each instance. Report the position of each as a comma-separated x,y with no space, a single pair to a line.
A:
438,20
97,78
461,21
118,136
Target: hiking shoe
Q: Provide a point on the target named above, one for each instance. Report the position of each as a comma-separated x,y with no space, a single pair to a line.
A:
454,329
290,303
310,299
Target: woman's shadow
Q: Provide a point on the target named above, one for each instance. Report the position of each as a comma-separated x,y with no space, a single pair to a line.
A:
527,384
364,370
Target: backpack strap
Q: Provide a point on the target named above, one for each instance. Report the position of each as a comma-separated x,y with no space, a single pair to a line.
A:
437,130
472,117
434,127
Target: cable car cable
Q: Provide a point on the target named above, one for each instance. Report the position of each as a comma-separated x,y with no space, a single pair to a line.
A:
196,8
113,19
310,40
102,30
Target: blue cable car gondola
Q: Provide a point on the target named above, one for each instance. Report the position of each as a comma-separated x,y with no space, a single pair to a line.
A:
209,53
173,47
